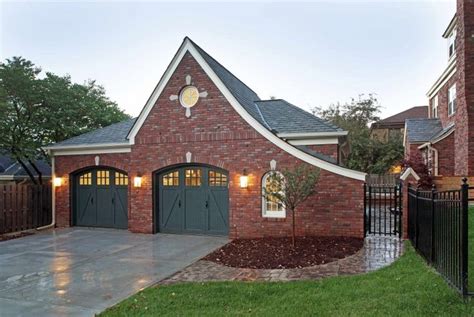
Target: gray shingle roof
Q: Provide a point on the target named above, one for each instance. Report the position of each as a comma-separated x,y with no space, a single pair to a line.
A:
422,130
276,115
283,117
115,133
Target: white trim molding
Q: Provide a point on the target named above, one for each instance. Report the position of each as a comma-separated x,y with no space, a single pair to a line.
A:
99,148
322,141
188,46
313,135
445,76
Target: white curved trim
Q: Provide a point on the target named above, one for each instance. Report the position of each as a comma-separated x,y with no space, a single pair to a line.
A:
187,46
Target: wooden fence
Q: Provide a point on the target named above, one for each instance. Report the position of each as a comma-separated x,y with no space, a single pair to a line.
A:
24,207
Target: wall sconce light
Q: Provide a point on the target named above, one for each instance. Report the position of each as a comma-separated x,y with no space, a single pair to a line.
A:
244,179
137,181
57,181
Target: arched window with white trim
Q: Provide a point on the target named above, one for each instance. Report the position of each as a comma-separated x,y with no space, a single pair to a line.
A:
271,206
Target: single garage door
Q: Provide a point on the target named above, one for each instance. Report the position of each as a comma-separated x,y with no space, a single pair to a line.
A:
193,199
101,198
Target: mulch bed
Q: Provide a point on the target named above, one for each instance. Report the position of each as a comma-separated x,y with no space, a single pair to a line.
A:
10,236
278,253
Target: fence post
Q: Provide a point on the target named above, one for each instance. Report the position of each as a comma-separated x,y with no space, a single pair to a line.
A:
365,209
416,217
464,236
399,202
433,196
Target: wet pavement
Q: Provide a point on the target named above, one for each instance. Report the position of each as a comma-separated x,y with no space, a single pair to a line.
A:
81,271
377,252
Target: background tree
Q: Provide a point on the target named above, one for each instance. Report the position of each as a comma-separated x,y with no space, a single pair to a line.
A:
291,187
365,153
35,111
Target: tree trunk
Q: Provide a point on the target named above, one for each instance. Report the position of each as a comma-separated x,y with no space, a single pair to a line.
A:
293,233
40,176
27,170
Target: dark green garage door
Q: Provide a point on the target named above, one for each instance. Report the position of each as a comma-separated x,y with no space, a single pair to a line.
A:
101,199
193,199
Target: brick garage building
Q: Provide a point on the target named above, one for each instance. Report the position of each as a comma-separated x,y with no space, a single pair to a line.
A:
446,139
178,167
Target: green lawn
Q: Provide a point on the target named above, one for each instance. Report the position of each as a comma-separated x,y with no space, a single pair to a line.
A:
407,287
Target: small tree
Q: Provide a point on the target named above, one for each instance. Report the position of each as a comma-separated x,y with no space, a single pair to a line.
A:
416,162
291,187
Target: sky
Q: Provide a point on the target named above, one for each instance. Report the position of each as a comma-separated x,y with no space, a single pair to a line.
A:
308,53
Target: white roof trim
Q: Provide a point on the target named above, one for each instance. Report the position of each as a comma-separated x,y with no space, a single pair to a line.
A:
445,76
321,141
187,46
98,148
409,171
311,135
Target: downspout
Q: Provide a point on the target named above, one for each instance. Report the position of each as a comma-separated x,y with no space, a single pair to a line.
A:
53,197
435,159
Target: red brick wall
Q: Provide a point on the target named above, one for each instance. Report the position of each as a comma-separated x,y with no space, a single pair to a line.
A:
215,134
445,150
331,150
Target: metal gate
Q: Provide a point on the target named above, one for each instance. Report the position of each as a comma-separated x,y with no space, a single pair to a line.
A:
383,210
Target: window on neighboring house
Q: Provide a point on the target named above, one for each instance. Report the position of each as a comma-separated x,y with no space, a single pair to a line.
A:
452,44
452,100
271,207
434,107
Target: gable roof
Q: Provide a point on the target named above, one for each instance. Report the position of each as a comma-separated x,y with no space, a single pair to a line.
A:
112,134
240,97
398,120
422,130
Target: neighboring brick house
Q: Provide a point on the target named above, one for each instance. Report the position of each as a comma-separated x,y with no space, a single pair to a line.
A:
196,158
446,139
394,126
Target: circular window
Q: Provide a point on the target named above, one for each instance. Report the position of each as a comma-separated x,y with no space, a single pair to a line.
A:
189,96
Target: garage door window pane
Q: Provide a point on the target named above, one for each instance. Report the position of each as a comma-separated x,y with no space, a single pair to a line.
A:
103,178
171,179
85,179
121,179
217,179
193,177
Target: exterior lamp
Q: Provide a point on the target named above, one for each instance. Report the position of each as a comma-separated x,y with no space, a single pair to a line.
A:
57,181
137,181
244,179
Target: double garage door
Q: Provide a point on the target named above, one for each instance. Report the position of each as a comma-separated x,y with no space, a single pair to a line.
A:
101,198
193,199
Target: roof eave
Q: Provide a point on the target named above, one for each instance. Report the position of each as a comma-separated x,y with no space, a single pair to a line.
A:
450,27
87,146
310,135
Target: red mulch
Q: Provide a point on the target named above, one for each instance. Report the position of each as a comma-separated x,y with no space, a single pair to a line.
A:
278,253
10,236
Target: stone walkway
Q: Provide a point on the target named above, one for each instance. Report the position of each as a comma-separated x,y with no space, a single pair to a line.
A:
376,253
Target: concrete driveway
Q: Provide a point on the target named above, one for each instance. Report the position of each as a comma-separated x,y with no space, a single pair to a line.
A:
82,271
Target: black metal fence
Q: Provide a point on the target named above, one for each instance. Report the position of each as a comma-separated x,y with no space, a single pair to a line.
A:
438,229
383,209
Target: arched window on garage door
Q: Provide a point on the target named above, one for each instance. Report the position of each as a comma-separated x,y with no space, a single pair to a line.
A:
101,198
